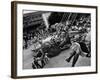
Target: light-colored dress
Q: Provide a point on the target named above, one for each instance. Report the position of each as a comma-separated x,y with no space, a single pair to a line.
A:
77,48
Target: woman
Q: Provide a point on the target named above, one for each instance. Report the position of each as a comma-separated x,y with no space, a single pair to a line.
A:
75,52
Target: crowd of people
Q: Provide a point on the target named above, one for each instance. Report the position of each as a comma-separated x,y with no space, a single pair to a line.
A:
75,36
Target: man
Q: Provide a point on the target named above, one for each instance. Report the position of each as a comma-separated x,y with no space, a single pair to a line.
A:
40,58
46,58
35,64
86,43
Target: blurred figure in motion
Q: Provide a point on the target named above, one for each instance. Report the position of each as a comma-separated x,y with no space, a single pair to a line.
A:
75,52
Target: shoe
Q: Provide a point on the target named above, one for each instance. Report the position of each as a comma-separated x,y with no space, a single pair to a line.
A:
67,60
73,65
88,55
